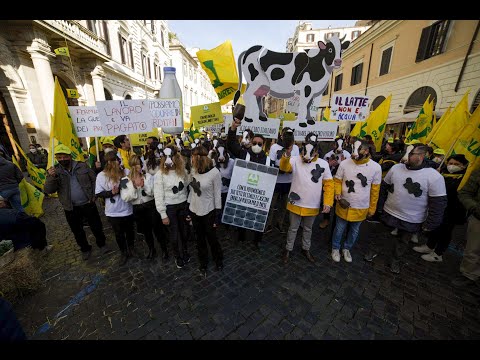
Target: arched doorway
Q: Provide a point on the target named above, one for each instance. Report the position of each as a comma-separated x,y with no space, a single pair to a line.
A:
5,144
375,103
108,96
475,102
417,99
128,97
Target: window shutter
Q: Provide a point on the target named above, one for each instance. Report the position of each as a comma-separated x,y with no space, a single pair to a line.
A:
131,55
122,54
385,65
423,45
106,37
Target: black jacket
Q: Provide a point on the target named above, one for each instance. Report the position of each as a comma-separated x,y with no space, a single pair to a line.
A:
241,153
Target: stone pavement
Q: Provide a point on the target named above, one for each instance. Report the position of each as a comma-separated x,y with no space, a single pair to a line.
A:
254,297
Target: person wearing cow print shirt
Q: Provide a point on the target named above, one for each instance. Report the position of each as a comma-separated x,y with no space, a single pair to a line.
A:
310,174
170,192
357,185
416,201
206,207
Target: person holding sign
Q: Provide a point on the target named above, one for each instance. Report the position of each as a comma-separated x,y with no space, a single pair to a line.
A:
250,151
206,207
310,175
122,143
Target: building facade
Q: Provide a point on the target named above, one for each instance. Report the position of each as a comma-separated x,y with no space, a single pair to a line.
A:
109,60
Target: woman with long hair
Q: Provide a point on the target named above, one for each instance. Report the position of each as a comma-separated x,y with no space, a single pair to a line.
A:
170,191
136,188
206,207
118,212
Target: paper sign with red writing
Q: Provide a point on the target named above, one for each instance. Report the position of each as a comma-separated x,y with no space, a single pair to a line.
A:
120,117
86,121
349,107
166,114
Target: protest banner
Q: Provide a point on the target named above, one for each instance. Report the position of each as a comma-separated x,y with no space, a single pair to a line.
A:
206,115
269,128
326,131
249,195
120,117
349,107
86,121
166,114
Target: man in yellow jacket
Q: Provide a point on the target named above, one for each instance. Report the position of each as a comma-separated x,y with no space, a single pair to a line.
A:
357,186
310,175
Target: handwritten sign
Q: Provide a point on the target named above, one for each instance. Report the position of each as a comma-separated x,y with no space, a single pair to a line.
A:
124,117
349,107
293,104
86,121
167,114
269,128
249,195
326,131
206,115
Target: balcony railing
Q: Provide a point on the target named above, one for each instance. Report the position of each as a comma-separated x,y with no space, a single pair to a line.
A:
73,29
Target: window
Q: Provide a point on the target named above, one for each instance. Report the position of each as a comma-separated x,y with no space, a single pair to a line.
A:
310,38
338,82
92,26
158,73
386,59
433,40
355,34
126,52
356,74
146,70
185,69
418,97
106,36
161,36
378,100
330,34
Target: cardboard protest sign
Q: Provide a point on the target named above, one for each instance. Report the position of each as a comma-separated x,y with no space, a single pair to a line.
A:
124,116
86,121
326,131
249,195
167,114
206,115
269,128
349,107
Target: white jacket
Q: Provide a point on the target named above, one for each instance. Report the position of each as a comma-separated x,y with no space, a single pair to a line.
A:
166,190
139,195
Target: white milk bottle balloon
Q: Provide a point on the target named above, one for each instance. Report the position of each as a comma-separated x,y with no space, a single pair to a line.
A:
171,90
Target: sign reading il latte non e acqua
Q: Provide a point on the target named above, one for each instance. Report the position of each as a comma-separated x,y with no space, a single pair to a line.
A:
249,195
349,107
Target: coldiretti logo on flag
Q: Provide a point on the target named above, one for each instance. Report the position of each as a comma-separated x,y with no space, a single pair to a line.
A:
219,64
72,93
62,51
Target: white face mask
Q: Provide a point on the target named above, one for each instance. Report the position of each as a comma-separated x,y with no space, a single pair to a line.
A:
256,149
33,151
454,168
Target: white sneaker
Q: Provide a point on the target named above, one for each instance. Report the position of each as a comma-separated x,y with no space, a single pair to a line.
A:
336,255
394,232
346,255
432,257
423,249
414,239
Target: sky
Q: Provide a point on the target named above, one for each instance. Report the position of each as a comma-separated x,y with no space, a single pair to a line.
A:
207,34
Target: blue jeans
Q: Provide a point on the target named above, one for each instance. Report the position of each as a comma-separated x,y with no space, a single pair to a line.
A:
352,234
13,197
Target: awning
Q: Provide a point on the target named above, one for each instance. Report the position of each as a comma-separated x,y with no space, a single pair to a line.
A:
410,117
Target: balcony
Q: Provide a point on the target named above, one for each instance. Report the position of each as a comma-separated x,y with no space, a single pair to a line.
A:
83,38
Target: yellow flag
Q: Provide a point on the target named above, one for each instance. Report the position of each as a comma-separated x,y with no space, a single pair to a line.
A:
449,129
468,144
356,129
72,93
62,130
62,51
423,124
31,197
432,133
375,123
37,175
219,64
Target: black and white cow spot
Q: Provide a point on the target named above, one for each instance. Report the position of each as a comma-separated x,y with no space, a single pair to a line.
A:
317,173
180,187
413,187
390,188
362,178
293,197
123,183
196,186
225,181
280,153
351,185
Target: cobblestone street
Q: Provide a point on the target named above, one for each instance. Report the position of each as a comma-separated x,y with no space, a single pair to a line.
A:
256,296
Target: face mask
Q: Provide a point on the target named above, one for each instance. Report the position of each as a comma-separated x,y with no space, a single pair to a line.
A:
33,151
107,150
65,163
437,159
454,168
256,149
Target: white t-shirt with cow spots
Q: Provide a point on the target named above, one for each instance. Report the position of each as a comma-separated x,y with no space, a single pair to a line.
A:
309,191
357,180
411,189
